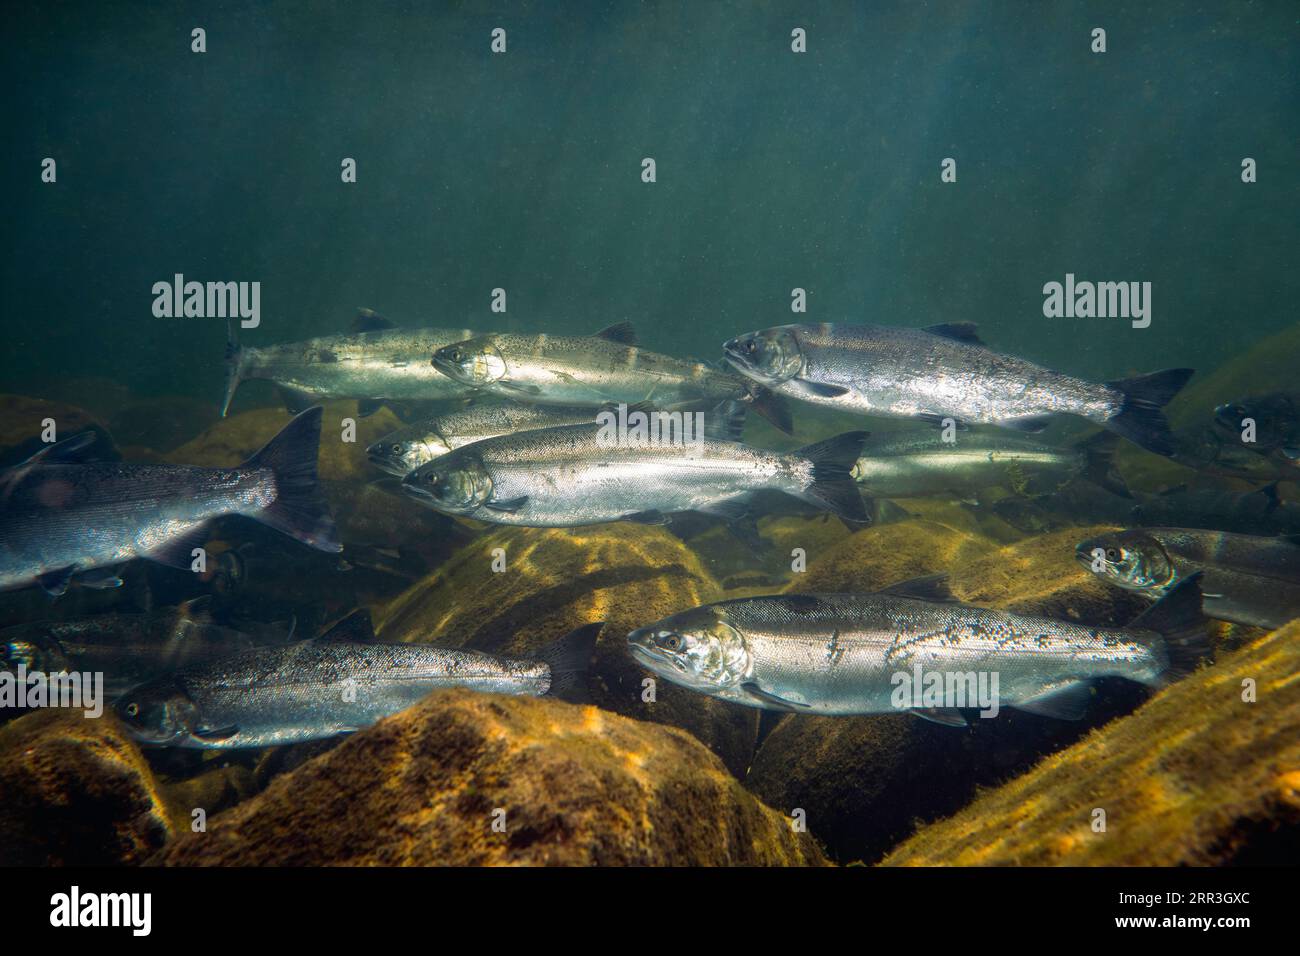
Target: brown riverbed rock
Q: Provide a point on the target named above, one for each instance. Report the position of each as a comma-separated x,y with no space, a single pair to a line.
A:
572,785
557,579
1197,776
878,556
76,791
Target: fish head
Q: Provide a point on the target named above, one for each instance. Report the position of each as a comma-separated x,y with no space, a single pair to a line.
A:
474,362
699,649
770,356
1133,560
158,712
1272,421
458,484
400,455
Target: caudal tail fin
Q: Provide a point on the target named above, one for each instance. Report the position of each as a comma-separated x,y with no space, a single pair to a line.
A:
1142,420
832,483
234,367
1177,617
299,509
1099,463
569,658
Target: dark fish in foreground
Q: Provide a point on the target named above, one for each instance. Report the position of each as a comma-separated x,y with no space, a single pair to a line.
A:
602,369
382,362
1247,579
920,465
129,648
566,476
945,371
333,685
406,449
1274,424
60,516
844,653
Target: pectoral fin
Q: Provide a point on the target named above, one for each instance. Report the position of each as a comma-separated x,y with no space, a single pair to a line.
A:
772,700
54,583
208,734
808,389
1067,701
510,505
519,389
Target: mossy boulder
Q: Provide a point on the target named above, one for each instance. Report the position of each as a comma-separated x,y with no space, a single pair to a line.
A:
878,556
1197,776
564,784
555,580
76,791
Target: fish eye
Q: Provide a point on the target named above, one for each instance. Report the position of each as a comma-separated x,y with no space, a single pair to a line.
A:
397,449
671,642
1112,554
132,709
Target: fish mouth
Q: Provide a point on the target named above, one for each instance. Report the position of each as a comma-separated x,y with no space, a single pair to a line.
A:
411,485
452,370
638,642
385,462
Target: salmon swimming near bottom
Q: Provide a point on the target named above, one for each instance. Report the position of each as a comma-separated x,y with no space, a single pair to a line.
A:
60,516
841,654
333,685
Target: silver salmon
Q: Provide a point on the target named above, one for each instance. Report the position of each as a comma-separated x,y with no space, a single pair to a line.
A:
381,363
602,369
61,516
406,449
945,371
842,654
920,465
567,476
316,689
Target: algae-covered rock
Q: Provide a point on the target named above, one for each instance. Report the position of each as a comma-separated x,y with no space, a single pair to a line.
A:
76,791
1196,776
879,556
564,784
162,423
554,580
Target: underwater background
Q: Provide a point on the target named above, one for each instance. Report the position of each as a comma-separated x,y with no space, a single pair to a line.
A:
775,171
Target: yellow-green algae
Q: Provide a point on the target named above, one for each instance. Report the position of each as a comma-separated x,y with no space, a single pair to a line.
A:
576,785
76,791
556,579
1187,779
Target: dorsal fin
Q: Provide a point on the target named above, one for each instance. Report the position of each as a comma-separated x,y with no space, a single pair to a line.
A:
355,627
931,587
368,320
967,332
621,332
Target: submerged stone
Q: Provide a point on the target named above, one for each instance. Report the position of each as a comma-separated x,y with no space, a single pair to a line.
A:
483,779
